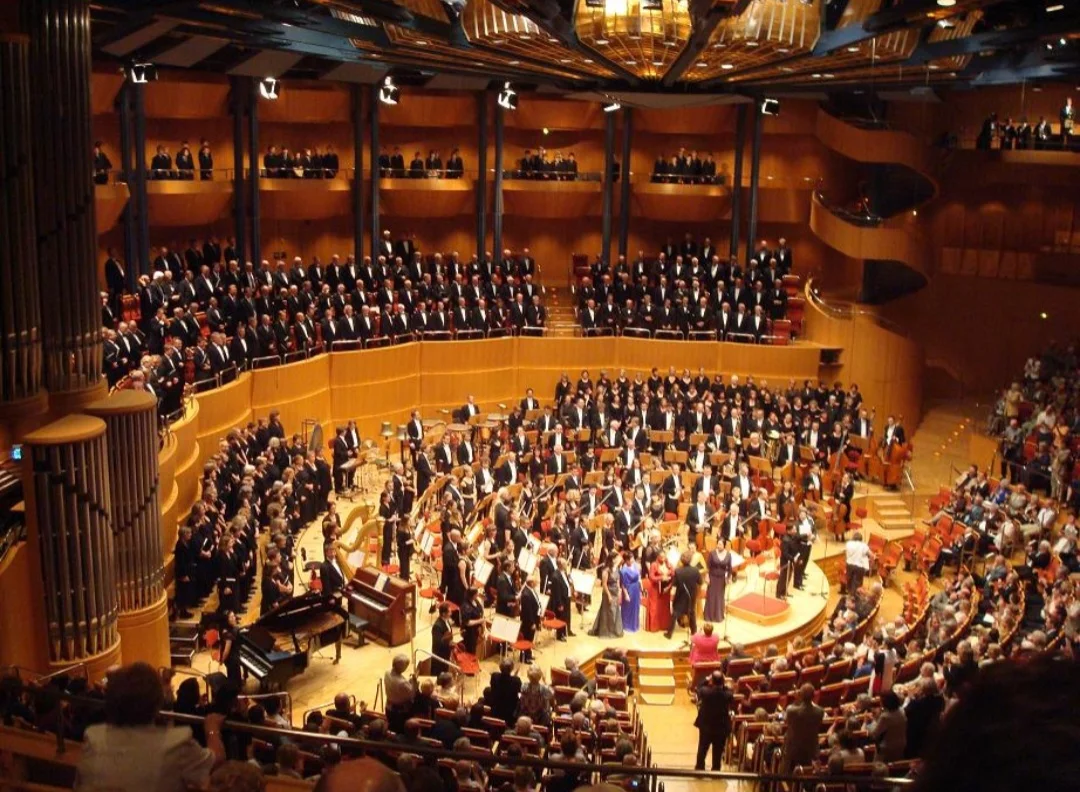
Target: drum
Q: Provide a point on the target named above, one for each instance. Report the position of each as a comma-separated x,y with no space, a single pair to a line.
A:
486,429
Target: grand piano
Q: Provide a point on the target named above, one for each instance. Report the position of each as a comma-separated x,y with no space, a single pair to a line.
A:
276,648
387,604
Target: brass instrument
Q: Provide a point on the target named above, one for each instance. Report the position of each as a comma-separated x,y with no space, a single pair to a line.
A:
771,449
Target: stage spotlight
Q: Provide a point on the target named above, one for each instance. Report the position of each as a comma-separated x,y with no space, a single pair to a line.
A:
508,99
652,5
140,73
612,106
388,92
770,107
268,88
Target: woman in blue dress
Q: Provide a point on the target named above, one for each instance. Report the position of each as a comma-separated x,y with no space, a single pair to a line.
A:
630,577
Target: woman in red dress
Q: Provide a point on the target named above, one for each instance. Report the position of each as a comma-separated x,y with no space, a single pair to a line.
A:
658,605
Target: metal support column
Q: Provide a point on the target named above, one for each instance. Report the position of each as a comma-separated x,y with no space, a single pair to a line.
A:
130,214
755,168
736,181
624,174
481,176
253,169
374,142
496,230
358,171
608,186
142,213
236,106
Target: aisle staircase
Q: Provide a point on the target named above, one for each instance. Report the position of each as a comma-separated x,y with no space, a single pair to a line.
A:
890,515
656,676
561,320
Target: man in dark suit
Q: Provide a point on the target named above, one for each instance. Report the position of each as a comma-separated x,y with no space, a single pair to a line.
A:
713,720
442,633
530,616
503,692
804,719
560,595
687,581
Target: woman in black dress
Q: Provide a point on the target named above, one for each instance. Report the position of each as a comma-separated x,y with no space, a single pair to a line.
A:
405,547
472,620
230,650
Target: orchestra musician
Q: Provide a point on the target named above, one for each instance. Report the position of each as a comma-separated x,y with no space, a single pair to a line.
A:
442,640
530,616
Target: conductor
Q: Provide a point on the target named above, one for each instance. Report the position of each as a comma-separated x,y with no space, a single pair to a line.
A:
687,581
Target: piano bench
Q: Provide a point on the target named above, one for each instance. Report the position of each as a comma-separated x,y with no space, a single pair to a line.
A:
358,625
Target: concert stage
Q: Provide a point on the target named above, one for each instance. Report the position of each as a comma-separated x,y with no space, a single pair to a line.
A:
361,668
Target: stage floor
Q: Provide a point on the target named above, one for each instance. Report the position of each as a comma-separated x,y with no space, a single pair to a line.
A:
361,668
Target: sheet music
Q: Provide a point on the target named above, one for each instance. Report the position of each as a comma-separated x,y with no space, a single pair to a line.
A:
582,580
355,559
527,560
482,571
543,603
534,543
427,544
504,628
381,581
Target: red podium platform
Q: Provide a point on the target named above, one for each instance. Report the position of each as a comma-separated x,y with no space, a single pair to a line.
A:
759,608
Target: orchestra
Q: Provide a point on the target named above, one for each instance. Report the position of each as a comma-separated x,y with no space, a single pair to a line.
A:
649,470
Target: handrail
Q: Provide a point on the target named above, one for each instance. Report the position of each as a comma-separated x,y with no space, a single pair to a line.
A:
362,745
847,309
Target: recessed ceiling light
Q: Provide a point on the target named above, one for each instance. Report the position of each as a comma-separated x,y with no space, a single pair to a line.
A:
751,43
717,46
669,43
657,63
601,41
934,67
421,42
564,60
816,76
727,65
829,76
588,60
770,178
553,41
634,37
513,63
524,36
786,69
784,50
630,62
1052,8
498,42
946,3
702,64
852,49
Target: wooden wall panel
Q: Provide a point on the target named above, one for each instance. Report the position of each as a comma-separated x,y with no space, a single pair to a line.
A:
221,410
104,87
437,111
688,121
484,369
548,358
299,390
535,112
181,96
304,103
375,385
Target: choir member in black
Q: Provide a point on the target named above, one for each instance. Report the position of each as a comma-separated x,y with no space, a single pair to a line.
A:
530,617
206,161
333,581
274,587
228,571
472,620
580,545
229,653
389,517
185,163
442,635
102,165
185,571
341,455
405,547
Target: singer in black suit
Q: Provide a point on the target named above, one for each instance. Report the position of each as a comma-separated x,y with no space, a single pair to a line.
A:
559,597
442,633
530,617
687,581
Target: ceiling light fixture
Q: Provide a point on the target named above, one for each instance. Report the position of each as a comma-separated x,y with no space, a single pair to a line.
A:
268,88
602,41
726,66
946,3
142,73
612,106
770,107
1050,9
389,93
852,49
508,98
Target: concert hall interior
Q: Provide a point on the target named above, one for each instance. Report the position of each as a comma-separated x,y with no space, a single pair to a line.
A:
538,393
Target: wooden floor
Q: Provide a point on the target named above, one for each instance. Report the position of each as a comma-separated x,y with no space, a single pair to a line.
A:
941,443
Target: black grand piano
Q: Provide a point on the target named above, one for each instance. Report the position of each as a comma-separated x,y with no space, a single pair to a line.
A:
277,647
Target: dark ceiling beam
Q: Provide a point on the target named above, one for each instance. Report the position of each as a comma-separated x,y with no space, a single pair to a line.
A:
902,15
704,17
135,17
1051,25
1008,68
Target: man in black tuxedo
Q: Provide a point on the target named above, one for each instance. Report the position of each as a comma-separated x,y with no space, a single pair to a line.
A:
713,719
560,594
442,633
341,456
333,581
687,581
530,616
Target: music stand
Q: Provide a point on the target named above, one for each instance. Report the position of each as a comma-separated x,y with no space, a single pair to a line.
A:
761,465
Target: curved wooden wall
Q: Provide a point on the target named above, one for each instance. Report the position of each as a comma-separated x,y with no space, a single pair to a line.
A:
875,146
887,366
894,240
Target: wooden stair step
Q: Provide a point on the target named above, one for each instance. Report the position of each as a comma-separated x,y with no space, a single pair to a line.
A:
655,664
658,699
656,684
